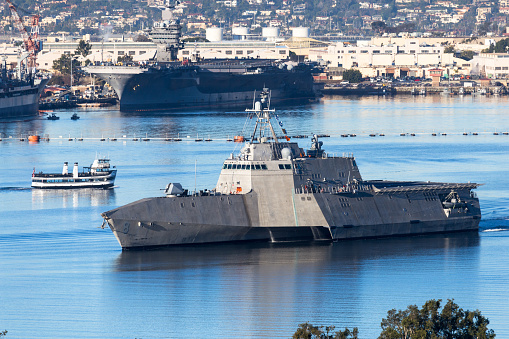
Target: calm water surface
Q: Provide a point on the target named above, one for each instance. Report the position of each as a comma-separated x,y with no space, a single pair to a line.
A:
63,276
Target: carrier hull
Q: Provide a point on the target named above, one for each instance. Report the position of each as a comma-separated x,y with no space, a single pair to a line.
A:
199,87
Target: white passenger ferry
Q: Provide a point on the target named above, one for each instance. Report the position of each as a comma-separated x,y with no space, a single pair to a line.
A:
97,175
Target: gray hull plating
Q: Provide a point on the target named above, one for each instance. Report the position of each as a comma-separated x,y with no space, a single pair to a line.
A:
196,88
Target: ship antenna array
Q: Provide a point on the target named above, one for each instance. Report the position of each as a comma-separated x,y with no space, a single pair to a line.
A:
263,112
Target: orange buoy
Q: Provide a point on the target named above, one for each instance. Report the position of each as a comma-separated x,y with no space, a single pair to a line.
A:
33,138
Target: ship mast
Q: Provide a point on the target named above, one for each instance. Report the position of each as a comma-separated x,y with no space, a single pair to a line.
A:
263,114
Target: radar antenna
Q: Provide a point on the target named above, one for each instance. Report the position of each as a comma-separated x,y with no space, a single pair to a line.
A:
263,114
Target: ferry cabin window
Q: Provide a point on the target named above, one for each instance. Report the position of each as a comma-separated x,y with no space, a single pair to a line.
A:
257,167
229,166
288,166
281,166
228,52
243,167
248,167
264,167
224,166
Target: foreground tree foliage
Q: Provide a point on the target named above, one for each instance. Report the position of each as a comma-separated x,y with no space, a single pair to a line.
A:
308,331
429,322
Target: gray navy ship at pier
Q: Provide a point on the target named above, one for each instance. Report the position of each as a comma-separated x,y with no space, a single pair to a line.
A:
276,191
165,83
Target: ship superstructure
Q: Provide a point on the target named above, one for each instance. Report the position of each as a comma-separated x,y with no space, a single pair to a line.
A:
276,191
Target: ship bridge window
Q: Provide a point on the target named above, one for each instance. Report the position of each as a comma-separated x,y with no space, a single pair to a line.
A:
225,166
229,166
285,166
234,166
264,167
243,167
288,166
248,167
257,167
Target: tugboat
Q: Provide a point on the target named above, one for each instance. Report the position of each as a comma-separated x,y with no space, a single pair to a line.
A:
53,116
97,175
276,191
75,116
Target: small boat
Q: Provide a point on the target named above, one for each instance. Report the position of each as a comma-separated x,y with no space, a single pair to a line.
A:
97,175
238,138
53,116
75,116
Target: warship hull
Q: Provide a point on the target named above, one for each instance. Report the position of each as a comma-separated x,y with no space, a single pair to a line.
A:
322,216
199,87
21,101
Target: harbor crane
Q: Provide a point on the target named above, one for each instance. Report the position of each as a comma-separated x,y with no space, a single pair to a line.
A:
30,41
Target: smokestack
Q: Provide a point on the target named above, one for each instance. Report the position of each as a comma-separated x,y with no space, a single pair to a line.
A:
65,169
75,170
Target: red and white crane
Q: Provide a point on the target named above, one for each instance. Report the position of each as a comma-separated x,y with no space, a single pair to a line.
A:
30,41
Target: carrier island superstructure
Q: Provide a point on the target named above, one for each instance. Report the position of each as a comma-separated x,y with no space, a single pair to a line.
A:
276,191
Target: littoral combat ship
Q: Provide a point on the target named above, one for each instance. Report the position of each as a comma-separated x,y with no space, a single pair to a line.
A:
276,191
166,84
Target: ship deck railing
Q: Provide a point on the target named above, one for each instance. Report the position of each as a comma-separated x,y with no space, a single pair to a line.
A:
70,175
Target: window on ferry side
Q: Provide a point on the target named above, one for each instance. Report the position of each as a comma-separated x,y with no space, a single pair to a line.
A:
281,166
229,166
248,167
288,166
264,167
224,166
257,167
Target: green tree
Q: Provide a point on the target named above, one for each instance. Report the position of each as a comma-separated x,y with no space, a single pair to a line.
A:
309,331
451,322
352,75
502,46
83,48
63,64
449,49
378,26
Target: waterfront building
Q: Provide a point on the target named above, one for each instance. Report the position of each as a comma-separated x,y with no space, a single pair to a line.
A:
491,65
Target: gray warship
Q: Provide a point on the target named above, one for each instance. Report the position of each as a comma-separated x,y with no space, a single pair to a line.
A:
276,191
167,84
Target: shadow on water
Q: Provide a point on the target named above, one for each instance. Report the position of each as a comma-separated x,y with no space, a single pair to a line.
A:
344,253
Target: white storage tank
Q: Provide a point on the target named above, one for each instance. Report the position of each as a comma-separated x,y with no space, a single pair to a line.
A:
270,33
300,32
240,32
214,34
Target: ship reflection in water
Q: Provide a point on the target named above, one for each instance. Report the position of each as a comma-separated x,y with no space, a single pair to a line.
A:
64,198
270,288
351,255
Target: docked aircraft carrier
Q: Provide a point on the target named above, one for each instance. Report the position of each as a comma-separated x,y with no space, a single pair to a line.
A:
276,191
166,84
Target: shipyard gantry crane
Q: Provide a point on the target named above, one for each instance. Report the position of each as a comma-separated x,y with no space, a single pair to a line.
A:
30,41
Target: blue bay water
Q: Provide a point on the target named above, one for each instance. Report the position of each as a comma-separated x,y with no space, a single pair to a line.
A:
63,276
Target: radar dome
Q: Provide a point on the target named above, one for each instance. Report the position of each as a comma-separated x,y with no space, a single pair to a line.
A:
286,153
